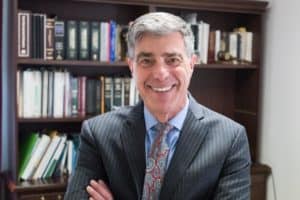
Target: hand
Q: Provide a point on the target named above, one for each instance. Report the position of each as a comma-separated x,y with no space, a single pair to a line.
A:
99,191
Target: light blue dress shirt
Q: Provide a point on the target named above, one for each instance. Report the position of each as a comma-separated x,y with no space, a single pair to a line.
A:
172,136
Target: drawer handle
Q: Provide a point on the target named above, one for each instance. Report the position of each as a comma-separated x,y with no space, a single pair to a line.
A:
59,197
43,198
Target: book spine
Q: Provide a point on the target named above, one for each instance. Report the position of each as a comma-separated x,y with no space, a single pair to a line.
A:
72,45
59,37
107,93
95,41
74,96
50,38
34,35
84,33
24,34
117,92
112,44
98,96
91,96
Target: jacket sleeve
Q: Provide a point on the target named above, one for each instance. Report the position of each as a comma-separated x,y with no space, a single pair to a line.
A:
89,165
234,181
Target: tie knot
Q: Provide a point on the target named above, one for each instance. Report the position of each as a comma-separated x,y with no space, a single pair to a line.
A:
163,127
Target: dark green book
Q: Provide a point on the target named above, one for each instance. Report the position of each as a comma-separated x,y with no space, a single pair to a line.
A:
71,40
84,35
95,41
27,147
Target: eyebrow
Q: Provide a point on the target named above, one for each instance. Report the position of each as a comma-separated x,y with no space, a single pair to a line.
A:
172,54
146,54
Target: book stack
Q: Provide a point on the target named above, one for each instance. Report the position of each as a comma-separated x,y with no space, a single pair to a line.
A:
47,155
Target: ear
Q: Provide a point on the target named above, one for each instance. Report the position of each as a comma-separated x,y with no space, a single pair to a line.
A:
130,64
193,61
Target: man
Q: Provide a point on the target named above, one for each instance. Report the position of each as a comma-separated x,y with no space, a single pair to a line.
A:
120,155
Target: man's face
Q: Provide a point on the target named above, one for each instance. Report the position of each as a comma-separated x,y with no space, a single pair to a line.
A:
162,71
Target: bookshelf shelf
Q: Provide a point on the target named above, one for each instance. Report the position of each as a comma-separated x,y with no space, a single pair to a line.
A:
30,62
48,185
52,120
226,66
253,7
71,63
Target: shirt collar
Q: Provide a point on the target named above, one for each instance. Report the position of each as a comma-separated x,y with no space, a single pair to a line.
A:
176,121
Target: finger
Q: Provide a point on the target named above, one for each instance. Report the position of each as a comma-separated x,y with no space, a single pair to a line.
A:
102,188
94,194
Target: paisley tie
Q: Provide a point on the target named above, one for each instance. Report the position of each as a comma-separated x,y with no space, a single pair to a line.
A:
156,163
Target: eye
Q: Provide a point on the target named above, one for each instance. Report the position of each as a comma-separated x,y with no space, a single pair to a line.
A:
145,62
173,61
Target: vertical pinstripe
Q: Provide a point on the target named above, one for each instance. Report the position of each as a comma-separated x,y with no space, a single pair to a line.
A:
211,160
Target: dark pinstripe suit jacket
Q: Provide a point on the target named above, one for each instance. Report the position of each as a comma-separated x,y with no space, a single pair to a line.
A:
211,160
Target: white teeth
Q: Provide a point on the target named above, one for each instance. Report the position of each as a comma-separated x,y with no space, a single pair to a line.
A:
164,89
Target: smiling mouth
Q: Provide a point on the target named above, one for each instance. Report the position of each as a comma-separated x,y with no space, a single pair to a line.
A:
162,89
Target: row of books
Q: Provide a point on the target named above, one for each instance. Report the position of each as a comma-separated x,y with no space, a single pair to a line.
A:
49,38
46,155
213,46
40,36
56,94
218,46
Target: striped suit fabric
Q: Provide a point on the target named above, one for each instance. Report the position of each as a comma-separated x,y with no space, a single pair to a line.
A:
211,160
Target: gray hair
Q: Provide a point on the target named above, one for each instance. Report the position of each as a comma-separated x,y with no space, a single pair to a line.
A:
159,23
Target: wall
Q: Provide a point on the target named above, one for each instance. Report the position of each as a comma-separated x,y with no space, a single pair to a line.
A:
280,125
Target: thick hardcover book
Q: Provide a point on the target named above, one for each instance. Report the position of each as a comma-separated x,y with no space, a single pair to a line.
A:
50,38
58,94
74,96
59,38
195,30
24,34
126,81
211,47
108,91
50,93
43,44
71,40
34,35
98,96
112,44
82,96
45,82
123,41
102,84
40,35
84,46
117,92
91,96
95,41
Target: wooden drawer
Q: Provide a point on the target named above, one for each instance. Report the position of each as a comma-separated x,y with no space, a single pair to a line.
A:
44,196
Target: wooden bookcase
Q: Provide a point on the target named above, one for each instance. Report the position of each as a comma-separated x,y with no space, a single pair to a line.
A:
231,89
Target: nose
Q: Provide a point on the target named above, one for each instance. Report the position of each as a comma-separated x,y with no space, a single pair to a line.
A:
161,71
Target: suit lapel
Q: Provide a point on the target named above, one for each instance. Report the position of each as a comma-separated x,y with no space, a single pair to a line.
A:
133,140
191,137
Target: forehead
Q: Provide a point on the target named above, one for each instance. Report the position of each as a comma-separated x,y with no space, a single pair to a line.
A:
160,44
